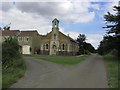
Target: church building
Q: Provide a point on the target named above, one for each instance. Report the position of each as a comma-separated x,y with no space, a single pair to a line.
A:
57,43
53,43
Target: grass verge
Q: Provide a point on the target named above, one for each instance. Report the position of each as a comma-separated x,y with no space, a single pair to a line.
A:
62,59
11,74
112,68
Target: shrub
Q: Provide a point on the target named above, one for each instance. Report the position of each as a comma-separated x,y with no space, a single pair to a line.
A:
10,51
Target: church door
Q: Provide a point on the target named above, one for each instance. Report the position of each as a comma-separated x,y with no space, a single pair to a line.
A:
54,49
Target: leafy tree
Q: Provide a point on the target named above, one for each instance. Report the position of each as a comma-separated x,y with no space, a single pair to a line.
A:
89,47
10,51
6,27
107,45
81,39
84,47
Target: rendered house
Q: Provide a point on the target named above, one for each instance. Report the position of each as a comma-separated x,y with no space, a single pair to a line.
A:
53,43
29,42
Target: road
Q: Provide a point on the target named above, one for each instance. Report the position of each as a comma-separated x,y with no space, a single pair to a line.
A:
90,73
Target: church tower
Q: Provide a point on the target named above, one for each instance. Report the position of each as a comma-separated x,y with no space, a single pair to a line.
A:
55,23
54,39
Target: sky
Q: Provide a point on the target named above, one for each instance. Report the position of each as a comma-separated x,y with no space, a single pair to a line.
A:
75,16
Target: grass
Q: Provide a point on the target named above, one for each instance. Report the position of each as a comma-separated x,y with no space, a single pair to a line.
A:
62,59
112,70
13,73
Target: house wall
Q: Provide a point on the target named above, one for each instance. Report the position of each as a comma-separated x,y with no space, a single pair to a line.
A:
25,41
36,43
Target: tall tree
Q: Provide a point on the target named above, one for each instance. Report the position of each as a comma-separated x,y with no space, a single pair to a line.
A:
81,39
84,47
113,21
109,41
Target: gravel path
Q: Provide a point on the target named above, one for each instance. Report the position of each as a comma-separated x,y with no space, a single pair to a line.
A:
43,74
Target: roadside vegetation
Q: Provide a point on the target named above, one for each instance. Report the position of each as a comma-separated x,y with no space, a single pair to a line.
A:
62,59
110,47
13,66
112,68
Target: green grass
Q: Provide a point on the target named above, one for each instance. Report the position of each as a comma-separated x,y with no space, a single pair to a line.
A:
112,70
62,59
13,73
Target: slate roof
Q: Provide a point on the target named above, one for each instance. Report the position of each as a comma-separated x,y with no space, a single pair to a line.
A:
10,32
27,33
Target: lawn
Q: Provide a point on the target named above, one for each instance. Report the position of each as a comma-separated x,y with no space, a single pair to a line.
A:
62,59
111,63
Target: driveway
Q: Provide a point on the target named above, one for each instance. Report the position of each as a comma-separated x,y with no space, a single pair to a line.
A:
43,74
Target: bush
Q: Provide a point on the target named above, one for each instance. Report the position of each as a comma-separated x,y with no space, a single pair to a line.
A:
10,51
114,52
13,65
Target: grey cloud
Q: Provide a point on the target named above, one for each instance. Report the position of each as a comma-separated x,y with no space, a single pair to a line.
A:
41,8
6,6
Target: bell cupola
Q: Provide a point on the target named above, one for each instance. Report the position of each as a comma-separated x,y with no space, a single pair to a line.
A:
55,24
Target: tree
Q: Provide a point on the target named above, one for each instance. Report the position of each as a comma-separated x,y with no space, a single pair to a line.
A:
10,50
113,21
84,47
107,45
6,27
89,47
109,41
81,39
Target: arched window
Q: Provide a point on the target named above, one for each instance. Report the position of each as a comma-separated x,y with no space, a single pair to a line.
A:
54,36
63,47
55,24
47,46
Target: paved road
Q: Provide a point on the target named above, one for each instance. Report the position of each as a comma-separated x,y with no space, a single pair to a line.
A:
43,74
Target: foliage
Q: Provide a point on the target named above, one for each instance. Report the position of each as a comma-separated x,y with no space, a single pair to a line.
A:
88,47
6,27
107,45
109,41
13,66
112,66
10,50
13,73
81,38
113,21
84,47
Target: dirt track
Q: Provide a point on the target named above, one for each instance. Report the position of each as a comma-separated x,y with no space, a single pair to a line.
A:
43,74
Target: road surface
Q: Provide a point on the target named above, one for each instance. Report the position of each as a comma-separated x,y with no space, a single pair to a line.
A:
90,73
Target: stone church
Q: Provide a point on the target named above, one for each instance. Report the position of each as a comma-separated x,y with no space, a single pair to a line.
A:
53,43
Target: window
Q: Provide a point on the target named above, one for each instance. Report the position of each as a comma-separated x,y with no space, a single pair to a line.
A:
54,36
63,47
47,46
27,38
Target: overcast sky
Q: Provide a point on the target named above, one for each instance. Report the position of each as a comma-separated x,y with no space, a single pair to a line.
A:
75,16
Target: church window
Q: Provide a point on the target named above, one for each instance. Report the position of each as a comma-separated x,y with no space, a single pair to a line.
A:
54,36
63,47
46,46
